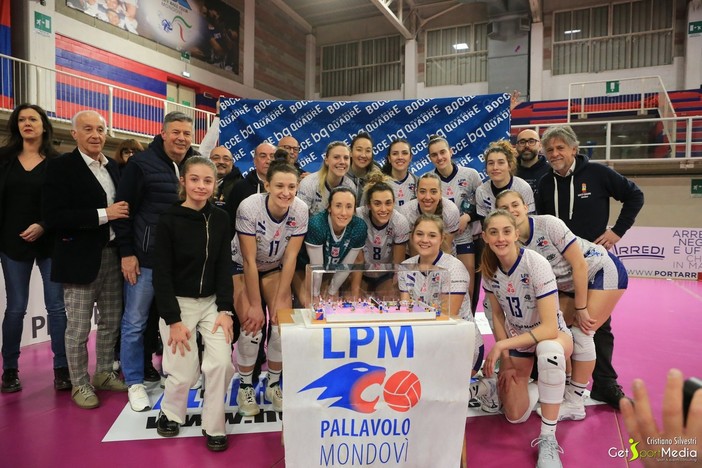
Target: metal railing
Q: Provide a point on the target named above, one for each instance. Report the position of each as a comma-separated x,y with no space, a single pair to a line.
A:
626,94
62,94
636,140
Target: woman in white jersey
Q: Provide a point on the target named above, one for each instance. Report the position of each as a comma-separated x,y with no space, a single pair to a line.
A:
500,165
430,201
362,163
427,234
404,183
315,188
270,228
458,184
590,283
522,291
388,233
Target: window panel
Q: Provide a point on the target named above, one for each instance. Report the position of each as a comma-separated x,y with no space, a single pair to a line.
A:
640,35
640,16
561,25
663,17
600,18
480,37
621,18
447,65
581,22
361,67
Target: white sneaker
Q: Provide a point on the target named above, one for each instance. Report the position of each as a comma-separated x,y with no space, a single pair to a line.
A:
490,403
246,401
200,382
138,398
569,411
275,396
549,451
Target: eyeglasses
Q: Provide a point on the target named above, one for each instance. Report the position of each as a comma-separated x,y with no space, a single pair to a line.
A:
294,149
530,142
218,158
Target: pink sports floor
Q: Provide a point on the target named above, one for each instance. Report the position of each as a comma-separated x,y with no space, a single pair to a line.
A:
657,325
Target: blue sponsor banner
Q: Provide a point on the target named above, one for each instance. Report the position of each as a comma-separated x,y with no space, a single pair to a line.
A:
469,123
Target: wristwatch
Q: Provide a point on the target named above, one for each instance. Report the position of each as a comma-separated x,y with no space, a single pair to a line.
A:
227,312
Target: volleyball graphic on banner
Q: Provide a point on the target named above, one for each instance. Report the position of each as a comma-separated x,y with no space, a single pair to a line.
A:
402,391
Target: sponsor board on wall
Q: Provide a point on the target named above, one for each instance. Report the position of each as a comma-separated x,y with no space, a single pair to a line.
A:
205,29
469,123
374,395
661,252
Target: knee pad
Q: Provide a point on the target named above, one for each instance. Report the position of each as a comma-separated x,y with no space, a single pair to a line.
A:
247,348
583,345
551,364
533,390
275,351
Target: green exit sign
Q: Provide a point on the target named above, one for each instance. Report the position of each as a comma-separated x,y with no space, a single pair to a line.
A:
185,56
696,188
612,87
42,22
694,28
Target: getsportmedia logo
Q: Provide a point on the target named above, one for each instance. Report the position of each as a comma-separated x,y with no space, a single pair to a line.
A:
677,449
347,383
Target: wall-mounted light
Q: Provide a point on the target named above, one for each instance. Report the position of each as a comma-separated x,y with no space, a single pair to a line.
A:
461,46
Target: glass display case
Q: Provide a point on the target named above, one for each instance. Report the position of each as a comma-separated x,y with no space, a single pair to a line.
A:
349,293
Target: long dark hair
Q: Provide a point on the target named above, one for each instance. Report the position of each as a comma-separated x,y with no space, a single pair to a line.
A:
432,175
15,143
387,167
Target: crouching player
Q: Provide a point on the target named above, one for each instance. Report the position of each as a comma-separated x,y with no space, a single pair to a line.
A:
521,288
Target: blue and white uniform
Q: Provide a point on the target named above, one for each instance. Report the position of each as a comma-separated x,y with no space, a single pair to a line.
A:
318,201
381,240
454,280
449,213
460,187
486,193
272,235
551,237
518,290
405,190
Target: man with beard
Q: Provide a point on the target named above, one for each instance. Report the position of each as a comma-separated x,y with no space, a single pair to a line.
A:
227,173
532,164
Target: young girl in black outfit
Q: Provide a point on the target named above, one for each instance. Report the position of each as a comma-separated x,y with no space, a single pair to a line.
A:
193,290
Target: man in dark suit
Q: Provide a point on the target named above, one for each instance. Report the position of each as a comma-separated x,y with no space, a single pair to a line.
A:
78,203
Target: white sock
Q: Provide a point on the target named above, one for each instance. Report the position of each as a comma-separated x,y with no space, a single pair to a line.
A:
548,427
246,378
273,377
575,391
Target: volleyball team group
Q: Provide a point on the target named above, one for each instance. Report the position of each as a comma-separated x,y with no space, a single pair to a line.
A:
388,215
547,290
